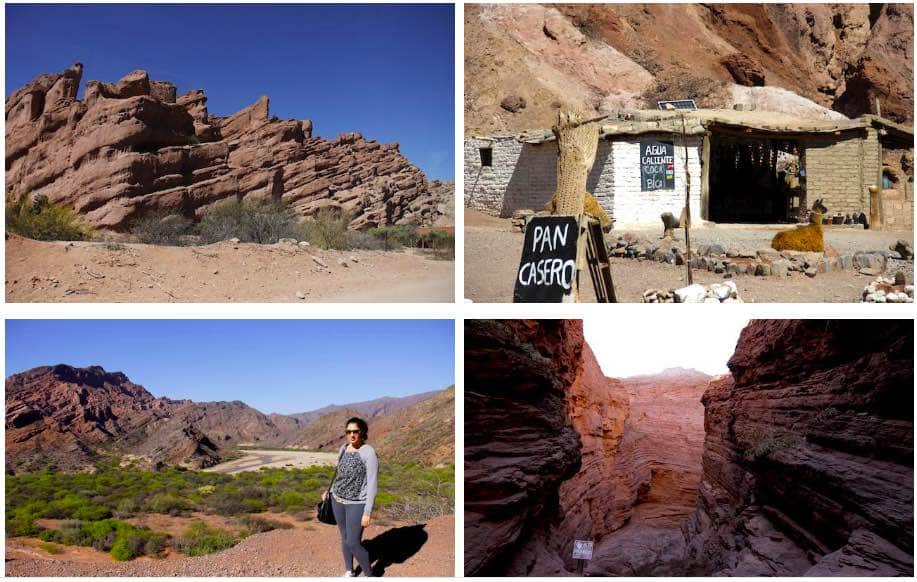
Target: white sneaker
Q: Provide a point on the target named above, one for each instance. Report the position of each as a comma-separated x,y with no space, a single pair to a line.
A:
348,574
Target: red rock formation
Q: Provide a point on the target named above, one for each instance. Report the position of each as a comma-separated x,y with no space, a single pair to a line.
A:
70,416
885,69
656,469
808,457
133,147
637,462
519,443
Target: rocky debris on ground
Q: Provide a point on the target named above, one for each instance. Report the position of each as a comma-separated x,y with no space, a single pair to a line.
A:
726,292
889,290
129,149
731,261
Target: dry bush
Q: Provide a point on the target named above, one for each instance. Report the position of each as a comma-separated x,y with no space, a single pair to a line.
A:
707,93
328,230
263,222
162,228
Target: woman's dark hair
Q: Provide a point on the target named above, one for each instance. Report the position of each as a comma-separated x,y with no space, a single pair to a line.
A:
361,424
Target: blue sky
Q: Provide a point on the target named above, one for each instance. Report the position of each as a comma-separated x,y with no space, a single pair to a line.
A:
273,365
384,70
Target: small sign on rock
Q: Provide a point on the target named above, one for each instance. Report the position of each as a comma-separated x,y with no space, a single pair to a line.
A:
582,549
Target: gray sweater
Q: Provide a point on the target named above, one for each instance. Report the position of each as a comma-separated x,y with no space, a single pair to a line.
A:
357,477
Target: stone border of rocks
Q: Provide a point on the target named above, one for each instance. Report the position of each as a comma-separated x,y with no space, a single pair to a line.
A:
763,262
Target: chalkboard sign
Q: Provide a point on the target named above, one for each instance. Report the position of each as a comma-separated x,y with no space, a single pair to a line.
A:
657,165
547,271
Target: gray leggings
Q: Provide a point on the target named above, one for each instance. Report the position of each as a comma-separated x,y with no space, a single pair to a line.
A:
348,517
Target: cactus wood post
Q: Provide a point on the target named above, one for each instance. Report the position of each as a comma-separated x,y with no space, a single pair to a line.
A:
684,141
577,144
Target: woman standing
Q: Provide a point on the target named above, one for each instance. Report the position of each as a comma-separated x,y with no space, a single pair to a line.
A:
353,493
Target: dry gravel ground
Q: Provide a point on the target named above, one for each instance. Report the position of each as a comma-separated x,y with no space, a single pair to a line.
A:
39,271
493,248
310,549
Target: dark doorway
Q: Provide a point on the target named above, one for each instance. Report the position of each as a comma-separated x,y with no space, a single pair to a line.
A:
755,180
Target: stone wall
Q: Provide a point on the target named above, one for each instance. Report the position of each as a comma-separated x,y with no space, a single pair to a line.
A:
524,176
631,205
839,170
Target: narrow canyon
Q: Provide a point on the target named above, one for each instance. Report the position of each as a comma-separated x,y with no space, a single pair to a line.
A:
797,462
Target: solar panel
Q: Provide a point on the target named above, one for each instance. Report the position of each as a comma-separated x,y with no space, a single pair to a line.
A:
678,104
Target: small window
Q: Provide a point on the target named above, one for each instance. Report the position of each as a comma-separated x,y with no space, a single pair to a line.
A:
487,157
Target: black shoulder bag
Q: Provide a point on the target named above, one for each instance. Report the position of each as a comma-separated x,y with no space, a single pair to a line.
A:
325,512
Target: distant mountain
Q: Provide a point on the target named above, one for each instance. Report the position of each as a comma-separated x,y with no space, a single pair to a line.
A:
367,409
71,417
422,432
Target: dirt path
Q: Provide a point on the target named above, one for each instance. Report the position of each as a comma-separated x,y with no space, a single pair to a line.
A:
253,460
310,549
492,252
221,272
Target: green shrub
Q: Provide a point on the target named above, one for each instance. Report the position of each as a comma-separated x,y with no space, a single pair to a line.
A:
253,524
41,219
291,500
121,549
328,230
764,445
395,237
259,222
200,539
159,228
167,503
53,549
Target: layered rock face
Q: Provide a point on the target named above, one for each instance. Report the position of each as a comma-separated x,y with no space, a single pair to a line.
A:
656,471
70,416
808,457
133,147
519,442
555,451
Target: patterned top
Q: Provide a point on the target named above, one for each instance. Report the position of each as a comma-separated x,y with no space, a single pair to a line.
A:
356,480
350,478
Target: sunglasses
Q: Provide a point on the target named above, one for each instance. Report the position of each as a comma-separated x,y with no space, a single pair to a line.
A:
352,431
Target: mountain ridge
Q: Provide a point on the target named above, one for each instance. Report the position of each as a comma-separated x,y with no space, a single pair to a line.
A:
71,417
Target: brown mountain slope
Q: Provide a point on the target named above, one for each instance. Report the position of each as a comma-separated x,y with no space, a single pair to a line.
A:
70,417
368,408
422,432
596,57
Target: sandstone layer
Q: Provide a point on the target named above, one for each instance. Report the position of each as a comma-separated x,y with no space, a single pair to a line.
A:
808,456
626,477
519,443
134,147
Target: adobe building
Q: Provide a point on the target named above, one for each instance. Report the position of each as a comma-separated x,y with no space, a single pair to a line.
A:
744,167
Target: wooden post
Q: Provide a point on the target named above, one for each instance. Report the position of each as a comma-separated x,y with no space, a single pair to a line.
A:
684,141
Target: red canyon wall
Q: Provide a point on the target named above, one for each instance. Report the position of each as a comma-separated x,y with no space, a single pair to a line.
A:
808,458
555,451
